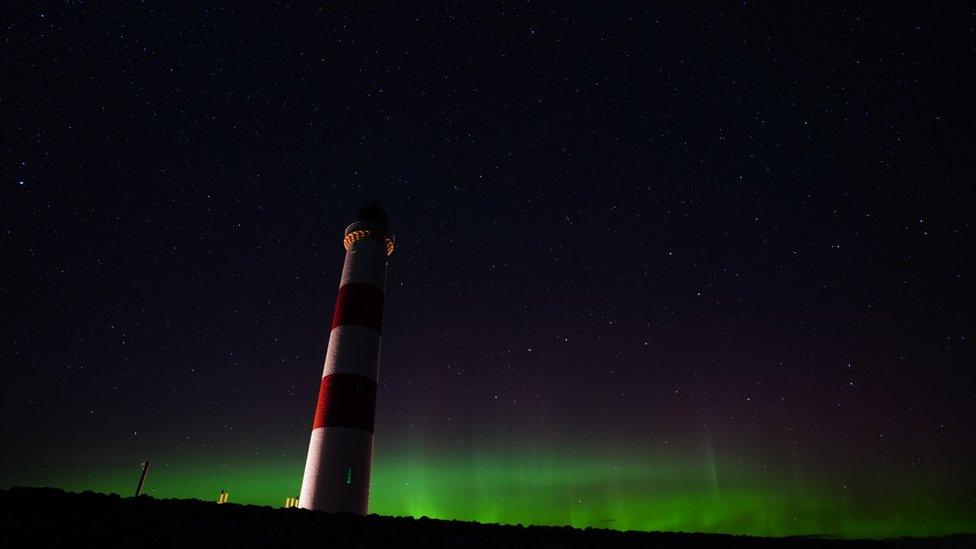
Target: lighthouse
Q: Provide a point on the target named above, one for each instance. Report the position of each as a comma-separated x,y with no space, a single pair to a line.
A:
340,453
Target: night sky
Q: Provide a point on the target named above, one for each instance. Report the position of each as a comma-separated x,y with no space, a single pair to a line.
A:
679,268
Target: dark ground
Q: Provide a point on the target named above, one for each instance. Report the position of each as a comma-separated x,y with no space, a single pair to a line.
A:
48,517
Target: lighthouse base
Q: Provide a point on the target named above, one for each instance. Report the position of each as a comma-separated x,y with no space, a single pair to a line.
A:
337,471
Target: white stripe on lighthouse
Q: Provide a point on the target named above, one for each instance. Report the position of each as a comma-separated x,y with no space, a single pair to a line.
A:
338,470
365,263
353,350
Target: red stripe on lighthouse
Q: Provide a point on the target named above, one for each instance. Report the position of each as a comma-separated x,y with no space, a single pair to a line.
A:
359,305
346,400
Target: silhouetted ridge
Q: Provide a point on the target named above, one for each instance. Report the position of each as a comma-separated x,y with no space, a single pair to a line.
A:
47,517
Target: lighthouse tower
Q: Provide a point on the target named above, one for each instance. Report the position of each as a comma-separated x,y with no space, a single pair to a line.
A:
341,450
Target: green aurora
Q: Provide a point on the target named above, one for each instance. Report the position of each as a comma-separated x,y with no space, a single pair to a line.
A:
666,493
